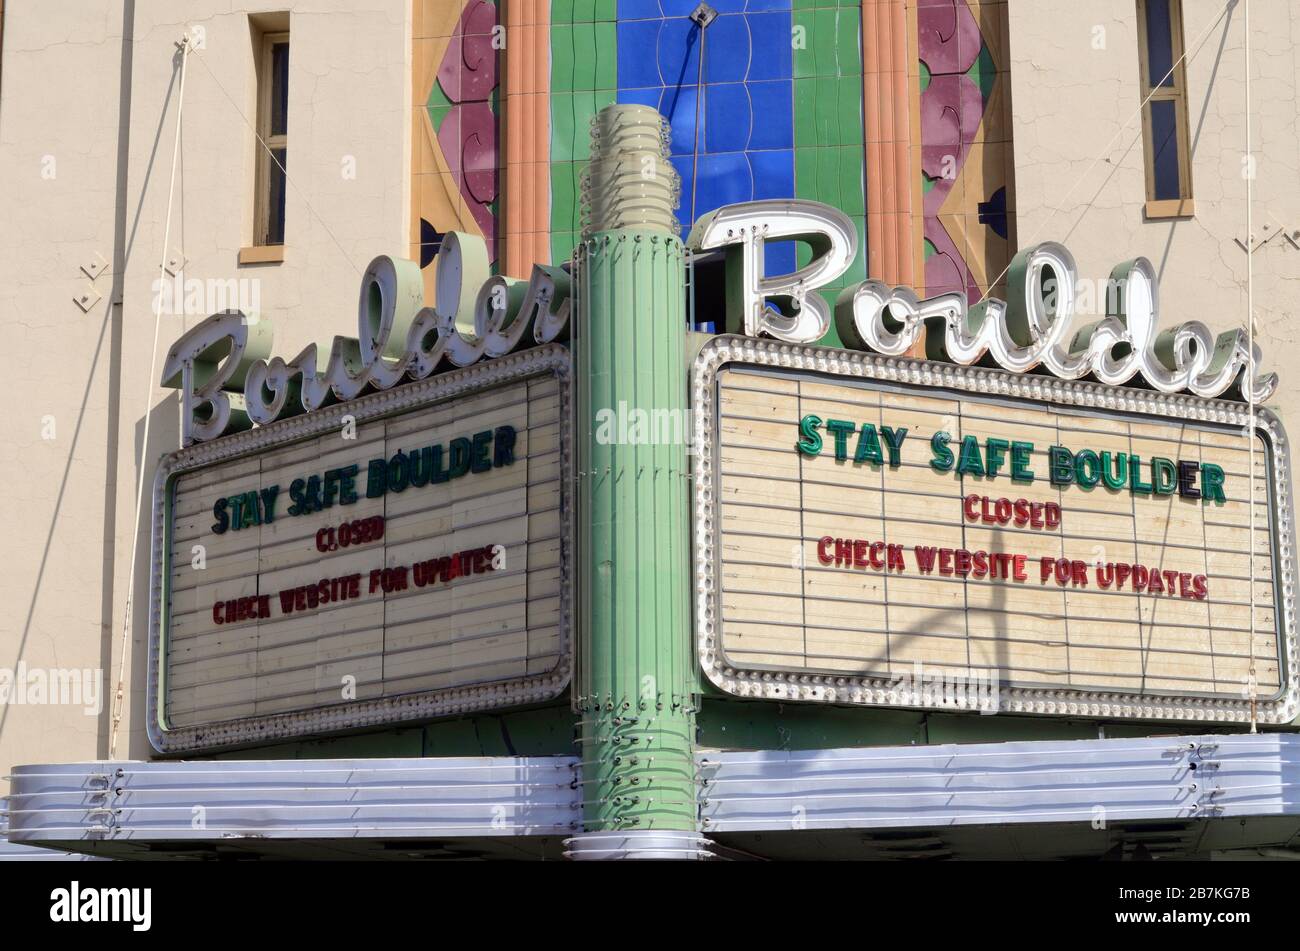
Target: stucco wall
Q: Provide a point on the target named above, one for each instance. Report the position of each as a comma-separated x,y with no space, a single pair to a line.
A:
67,94
58,209
1075,75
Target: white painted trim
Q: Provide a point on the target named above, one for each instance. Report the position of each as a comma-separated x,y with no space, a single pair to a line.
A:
637,844
223,800
972,784
1116,781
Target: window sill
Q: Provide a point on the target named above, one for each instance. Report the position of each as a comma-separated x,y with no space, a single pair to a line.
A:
262,254
1170,208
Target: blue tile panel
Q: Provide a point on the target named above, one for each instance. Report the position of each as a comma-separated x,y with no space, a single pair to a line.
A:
746,138
782,104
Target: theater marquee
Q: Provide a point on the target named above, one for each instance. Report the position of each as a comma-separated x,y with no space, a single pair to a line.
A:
399,556
1087,547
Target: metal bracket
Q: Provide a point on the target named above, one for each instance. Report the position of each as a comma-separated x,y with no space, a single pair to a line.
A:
1290,235
87,298
95,266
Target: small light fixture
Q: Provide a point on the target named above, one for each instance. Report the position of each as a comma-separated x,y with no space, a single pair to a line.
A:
703,15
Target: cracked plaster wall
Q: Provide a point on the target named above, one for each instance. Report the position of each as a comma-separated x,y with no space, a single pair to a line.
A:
61,95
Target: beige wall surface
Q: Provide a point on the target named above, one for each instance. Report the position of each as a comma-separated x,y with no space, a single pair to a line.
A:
87,130
58,210
1080,175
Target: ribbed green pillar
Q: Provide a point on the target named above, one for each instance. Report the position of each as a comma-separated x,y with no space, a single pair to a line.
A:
634,684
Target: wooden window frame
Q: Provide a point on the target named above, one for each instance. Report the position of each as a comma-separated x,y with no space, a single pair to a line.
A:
262,209
1183,206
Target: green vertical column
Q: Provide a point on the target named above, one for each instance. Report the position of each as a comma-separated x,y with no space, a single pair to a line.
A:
634,689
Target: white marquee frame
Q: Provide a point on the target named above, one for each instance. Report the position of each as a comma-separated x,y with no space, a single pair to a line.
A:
794,685
387,711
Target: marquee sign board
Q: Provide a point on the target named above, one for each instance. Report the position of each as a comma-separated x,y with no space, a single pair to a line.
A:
400,556
1085,547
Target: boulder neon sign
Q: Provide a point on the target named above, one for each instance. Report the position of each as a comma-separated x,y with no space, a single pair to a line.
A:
1031,330
229,381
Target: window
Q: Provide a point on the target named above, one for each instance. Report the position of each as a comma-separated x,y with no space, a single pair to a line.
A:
273,128
1164,118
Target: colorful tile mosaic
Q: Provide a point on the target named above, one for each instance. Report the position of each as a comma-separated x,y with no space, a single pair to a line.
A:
965,145
781,113
455,162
